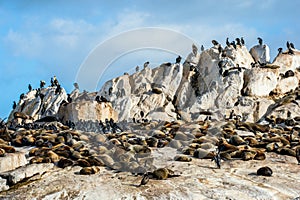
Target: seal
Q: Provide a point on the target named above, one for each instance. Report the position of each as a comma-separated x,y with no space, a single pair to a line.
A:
264,171
298,154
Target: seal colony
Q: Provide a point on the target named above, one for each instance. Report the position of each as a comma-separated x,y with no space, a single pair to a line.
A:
130,146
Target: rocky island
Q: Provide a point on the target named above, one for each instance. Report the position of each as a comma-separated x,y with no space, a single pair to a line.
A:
224,123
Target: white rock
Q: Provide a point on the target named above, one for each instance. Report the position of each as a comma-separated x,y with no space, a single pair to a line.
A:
12,161
3,185
260,53
260,81
27,171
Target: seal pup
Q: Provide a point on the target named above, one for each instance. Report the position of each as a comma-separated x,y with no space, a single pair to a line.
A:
264,171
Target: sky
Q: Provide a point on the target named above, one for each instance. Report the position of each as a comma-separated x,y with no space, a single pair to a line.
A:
40,39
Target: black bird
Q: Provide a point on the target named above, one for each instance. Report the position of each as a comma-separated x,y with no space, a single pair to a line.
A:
52,83
29,87
214,42
97,99
142,114
178,59
69,98
242,41
202,48
58,89
42,84
14,105
288,45
292,45
238,41
103,99
260,41
233,44
145,179
220,49
227,42
22,96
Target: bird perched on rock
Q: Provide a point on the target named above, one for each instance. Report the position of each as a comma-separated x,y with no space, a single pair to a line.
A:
279,50
227,42
202,48
14,105
29,87
137,68
260,41
238,41
42,83
178,60
242,41
214,42
146,64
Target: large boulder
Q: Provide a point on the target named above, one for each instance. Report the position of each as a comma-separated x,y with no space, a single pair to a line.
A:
39,103
260,53
144,93
86,108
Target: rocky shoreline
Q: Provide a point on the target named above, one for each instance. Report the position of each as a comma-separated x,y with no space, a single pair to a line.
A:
161,133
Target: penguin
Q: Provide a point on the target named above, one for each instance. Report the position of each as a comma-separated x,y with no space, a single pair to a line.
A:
137,69
279,50
292,45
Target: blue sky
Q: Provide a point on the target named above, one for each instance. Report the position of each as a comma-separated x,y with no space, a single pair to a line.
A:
40,39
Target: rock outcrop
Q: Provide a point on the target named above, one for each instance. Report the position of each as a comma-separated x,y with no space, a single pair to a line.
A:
219,82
